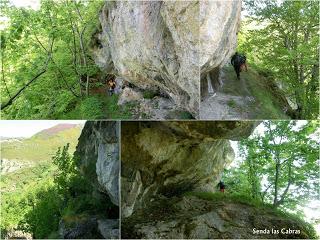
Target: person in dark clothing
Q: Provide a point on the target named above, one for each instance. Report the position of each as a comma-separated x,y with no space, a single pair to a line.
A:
238,62
221,186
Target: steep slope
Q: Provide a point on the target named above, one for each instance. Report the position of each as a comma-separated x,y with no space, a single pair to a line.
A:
43,145
254,96
213,217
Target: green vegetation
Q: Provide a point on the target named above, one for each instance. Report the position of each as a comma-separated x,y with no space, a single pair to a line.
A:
268,101
100,107
280,166
47,71
232,103
36,199
40,147
277,168
282,39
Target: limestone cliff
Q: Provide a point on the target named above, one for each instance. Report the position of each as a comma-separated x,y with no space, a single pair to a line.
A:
169,158
98,153
153,45
97,157
219,24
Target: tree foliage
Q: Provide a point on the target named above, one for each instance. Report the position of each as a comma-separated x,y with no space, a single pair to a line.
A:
280,166
45,61
282,37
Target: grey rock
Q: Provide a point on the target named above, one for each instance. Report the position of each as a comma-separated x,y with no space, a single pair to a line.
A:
190,217
169,158
98,153
219,24
154,45
129,95
109,228
107,169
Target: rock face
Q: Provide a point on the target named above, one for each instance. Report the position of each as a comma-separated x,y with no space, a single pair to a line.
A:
219,24
153,45
169,158
192,217
97,156
98,153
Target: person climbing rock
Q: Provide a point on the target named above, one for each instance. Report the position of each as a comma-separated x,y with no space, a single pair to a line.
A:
221,186
238,62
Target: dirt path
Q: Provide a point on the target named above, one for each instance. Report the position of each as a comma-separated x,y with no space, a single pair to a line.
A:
246,98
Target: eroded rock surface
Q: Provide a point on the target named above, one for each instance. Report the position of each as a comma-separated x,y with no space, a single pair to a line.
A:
169,158
97,157
191,217
219,24
98,153
153,45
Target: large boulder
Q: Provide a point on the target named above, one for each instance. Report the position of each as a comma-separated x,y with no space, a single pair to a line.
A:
169,158
153,45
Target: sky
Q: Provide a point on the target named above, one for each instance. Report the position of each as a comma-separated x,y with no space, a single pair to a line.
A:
27,128
34,4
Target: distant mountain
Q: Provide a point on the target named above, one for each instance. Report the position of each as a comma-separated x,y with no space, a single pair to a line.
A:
42,145
56,129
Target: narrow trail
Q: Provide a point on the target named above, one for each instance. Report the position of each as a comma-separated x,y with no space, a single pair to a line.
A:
247,98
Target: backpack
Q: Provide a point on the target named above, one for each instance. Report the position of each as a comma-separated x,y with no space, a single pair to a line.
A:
239,59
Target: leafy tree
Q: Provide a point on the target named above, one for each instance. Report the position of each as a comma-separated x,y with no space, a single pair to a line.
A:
281,164
282,37
45,62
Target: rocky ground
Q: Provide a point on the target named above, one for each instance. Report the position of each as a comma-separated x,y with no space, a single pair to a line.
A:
194,217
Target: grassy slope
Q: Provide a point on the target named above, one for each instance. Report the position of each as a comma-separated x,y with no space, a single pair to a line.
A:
40,147
99,107
268,102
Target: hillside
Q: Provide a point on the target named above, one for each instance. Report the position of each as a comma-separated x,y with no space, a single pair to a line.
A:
41,146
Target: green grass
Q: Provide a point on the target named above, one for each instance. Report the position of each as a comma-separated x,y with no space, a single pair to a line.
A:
40,147
100,107
269,102
232,103
149,94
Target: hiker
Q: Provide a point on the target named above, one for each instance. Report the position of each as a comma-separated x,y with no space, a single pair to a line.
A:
238,61
111,84
221,186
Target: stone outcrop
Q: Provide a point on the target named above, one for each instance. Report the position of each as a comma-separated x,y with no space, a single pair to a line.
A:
97,157
98,154
169,158
219,24
192,217
153,45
